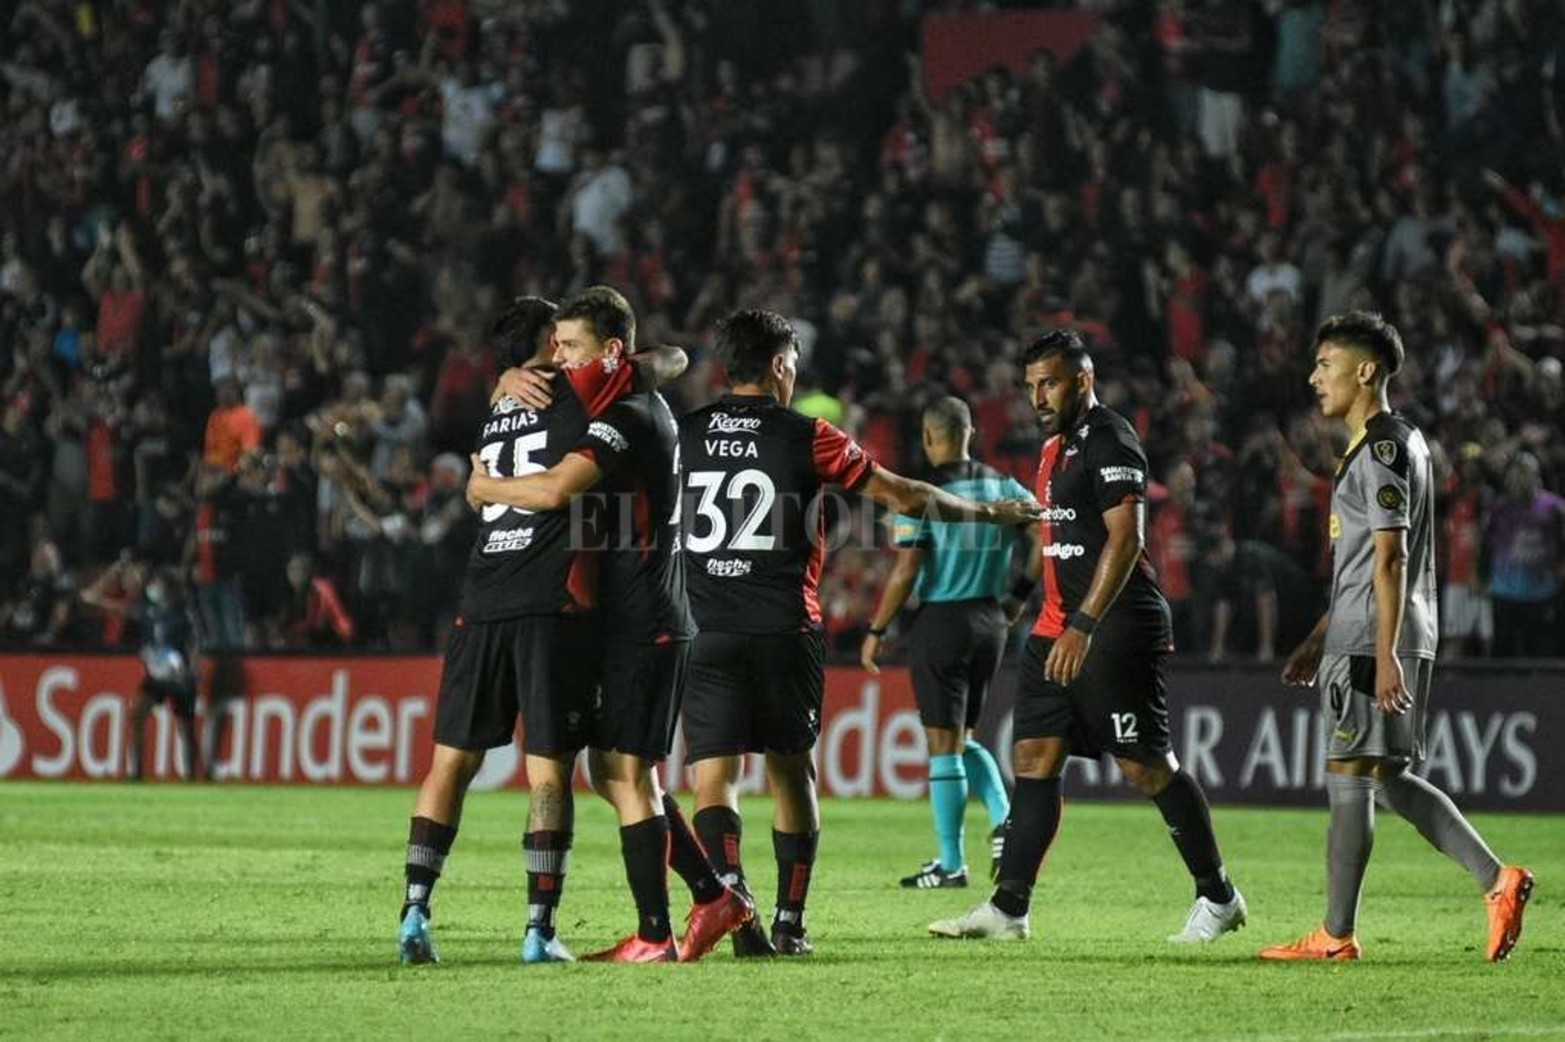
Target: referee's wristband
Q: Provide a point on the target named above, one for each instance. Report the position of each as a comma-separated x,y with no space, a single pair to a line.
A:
1021,589
873,632
1081,622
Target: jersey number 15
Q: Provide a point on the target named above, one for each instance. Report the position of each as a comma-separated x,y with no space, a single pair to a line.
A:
493,457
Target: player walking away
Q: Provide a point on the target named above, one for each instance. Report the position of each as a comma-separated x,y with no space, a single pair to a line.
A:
755,544
154,603
1372,654
632,451
961,573
1092,676
524,642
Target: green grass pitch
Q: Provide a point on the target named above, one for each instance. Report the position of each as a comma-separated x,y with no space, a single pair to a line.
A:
213,912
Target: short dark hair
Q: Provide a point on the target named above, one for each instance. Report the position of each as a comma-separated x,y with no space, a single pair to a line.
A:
1064,342
1367,331
948,414
606,310
518,327
748,340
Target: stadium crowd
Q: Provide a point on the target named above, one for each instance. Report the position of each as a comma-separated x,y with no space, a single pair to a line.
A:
249,250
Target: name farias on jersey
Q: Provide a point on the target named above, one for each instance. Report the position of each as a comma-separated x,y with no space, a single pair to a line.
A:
722,423
512,417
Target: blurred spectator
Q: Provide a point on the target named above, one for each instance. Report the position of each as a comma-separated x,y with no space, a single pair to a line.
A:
1527,563
232,430
40,609
313,614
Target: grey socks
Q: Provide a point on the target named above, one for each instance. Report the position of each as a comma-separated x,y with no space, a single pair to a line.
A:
1436,818
1349,839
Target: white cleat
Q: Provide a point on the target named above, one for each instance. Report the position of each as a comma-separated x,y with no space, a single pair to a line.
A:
1209,920
984,921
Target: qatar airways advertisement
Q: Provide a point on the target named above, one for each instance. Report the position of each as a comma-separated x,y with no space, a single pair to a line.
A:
368,721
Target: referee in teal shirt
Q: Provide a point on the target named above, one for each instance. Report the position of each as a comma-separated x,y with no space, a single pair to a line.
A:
961,573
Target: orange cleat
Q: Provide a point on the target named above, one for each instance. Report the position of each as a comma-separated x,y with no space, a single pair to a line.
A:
1505,904
635,949
1318,945
709,923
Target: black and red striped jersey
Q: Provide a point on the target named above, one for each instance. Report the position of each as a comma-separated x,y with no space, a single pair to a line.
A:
527,562
1090,469
754,518
635,444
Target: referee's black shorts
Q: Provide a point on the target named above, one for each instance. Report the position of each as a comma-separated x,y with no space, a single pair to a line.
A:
1117,705
956,647
754,692
543,668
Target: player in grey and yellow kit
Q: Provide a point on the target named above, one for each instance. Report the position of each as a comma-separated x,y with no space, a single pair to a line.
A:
1372,655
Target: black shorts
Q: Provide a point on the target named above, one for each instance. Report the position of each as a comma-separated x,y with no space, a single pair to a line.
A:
541,667
639,701
753,693
1118,705
956,649
179,694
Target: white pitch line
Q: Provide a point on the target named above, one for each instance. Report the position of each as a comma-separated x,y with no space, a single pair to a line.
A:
1493,1031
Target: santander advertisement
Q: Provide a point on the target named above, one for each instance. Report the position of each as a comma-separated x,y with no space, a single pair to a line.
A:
368,721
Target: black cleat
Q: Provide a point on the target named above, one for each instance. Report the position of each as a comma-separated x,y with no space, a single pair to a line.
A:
750,942
930,876
786,942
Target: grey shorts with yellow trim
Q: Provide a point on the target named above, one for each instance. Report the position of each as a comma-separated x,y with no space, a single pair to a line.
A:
1355,726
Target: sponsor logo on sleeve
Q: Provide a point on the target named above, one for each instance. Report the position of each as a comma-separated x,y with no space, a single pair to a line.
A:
1390,497
1386,451
1112,475
607,434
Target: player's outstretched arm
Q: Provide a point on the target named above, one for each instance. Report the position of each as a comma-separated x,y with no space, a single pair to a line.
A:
664,364
904,573
548,489
1126,526
921,499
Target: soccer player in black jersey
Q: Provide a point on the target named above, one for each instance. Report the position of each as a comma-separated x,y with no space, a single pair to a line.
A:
1092,676
524,644
754,539
629,459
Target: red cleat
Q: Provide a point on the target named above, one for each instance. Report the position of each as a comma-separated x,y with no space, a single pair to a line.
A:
709,923
635,949
1505,903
